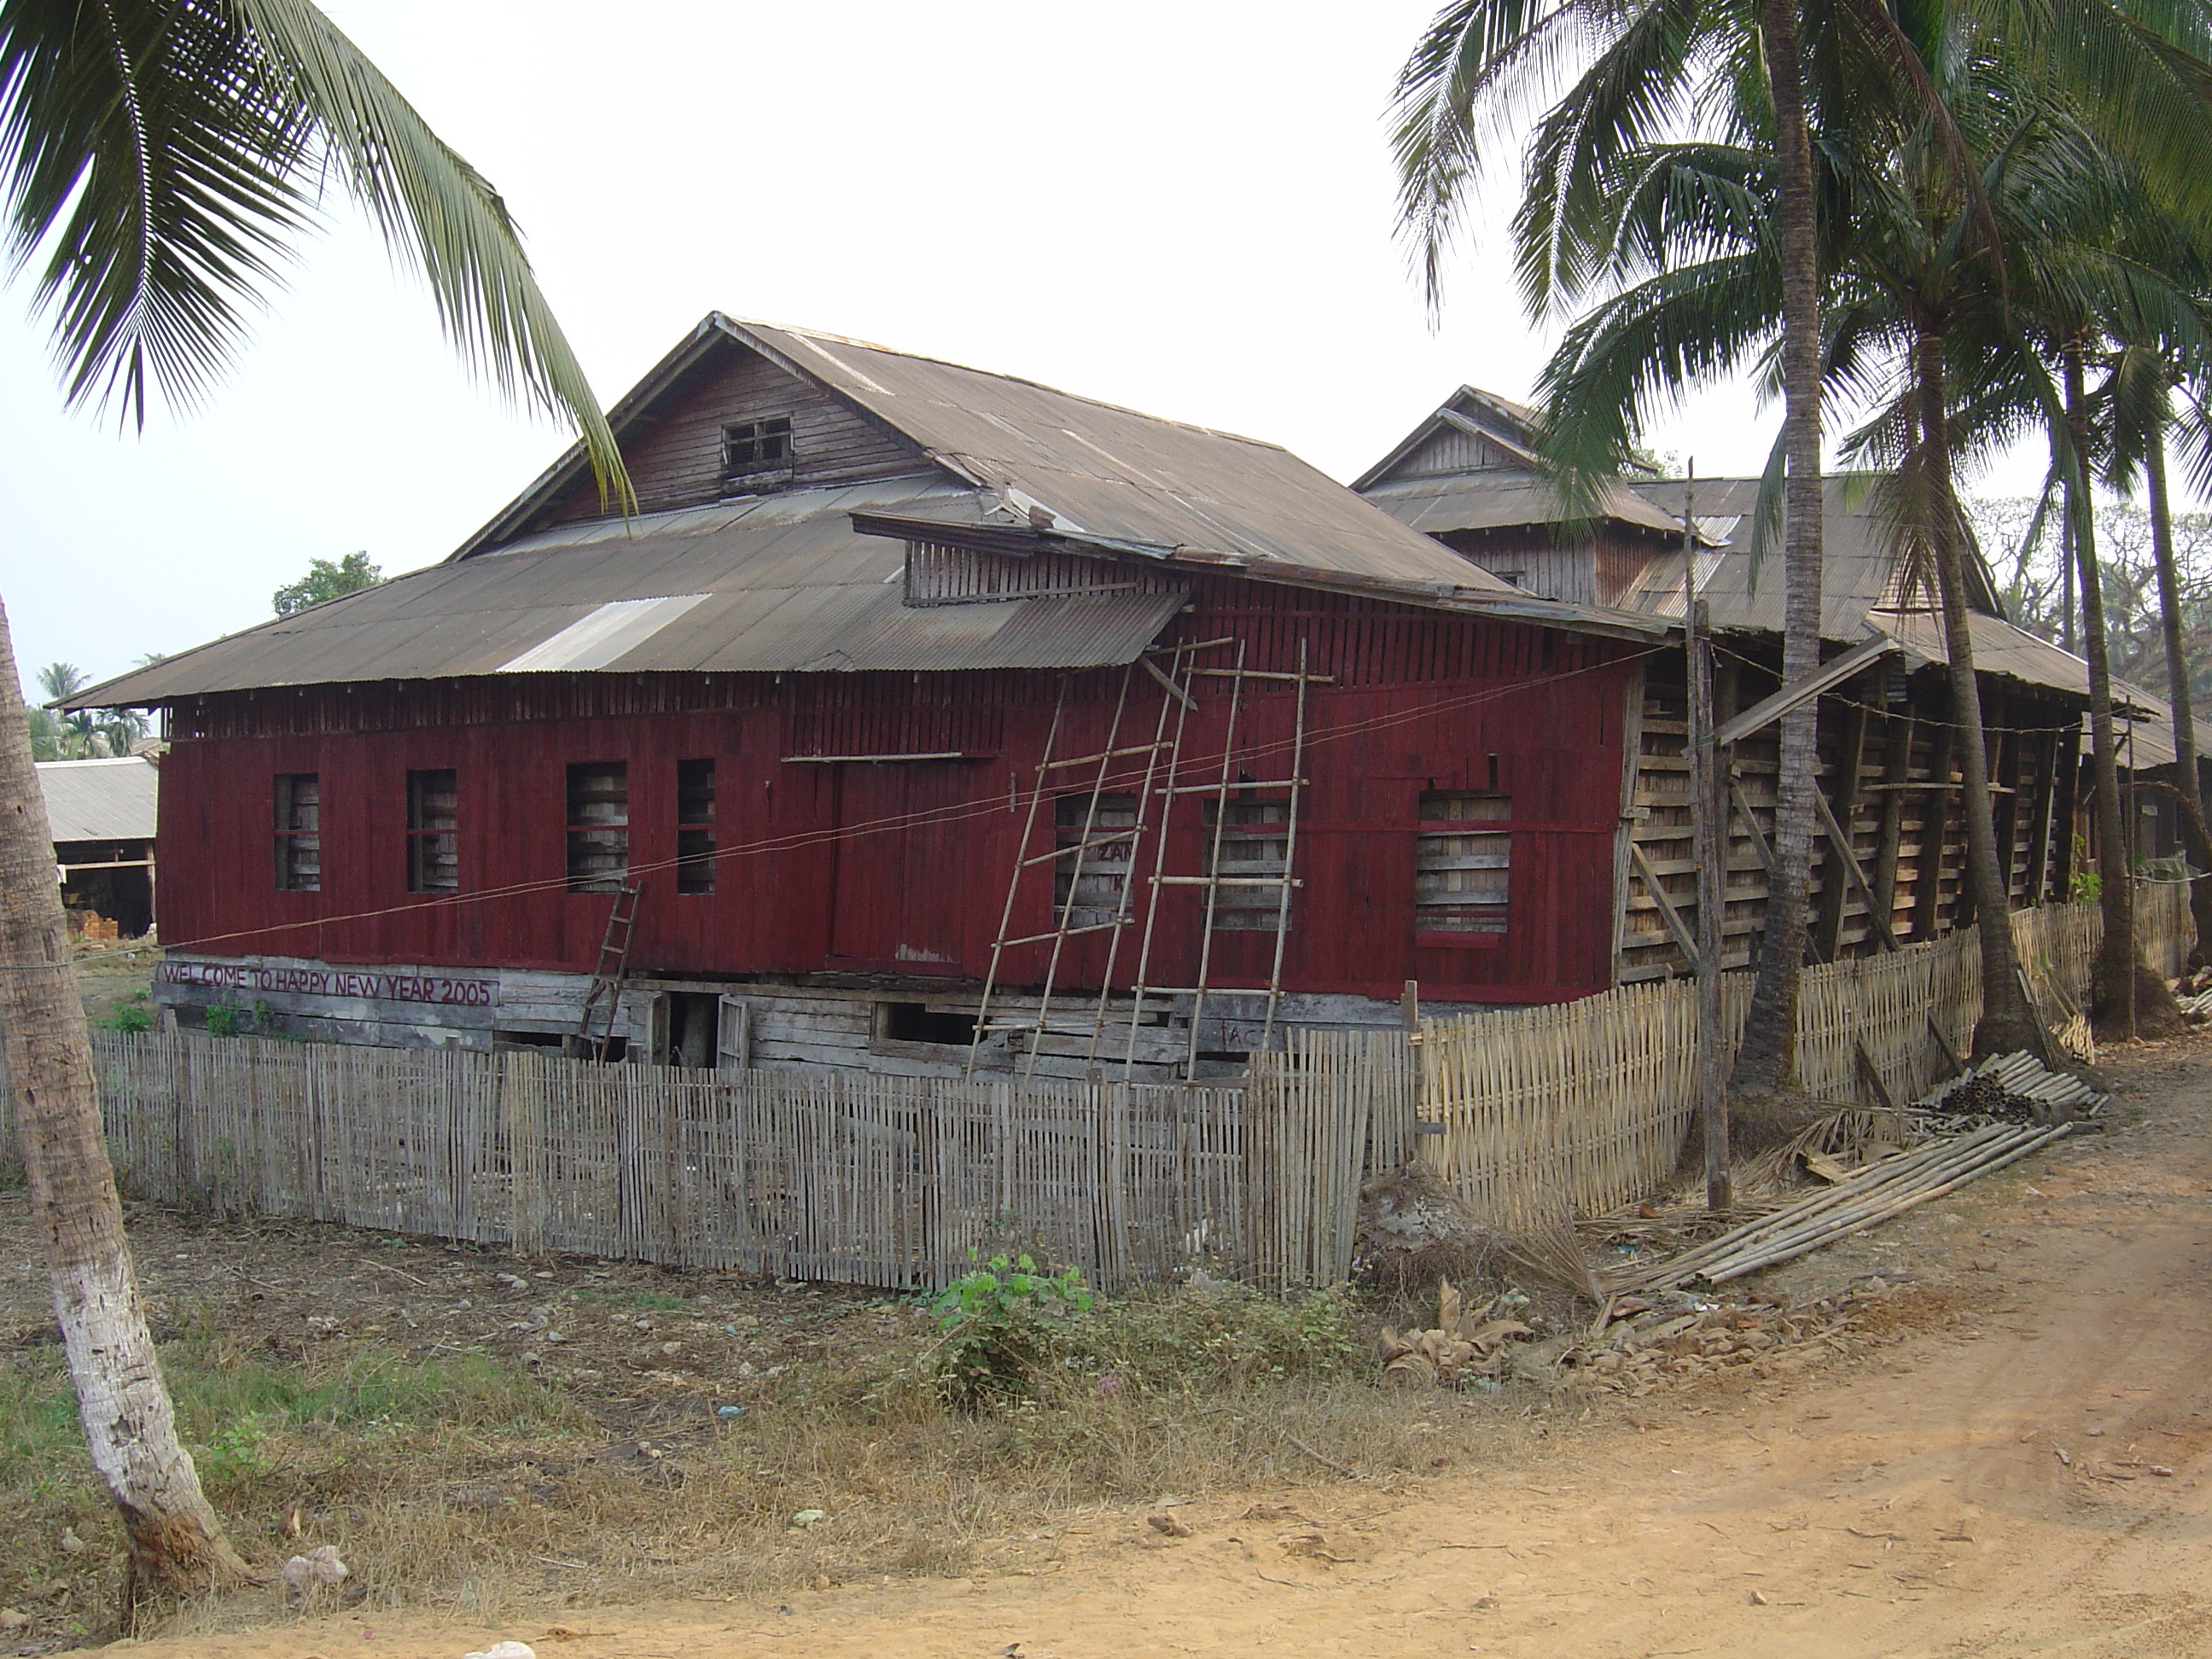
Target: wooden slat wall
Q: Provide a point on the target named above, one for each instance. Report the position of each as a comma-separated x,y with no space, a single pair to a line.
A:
1910,842
676,459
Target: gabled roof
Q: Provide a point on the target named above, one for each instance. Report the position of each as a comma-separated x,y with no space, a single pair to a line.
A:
1047,460
100,800
808,580
1858,569
1418,483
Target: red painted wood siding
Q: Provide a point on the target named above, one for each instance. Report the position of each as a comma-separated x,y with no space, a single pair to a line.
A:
903,867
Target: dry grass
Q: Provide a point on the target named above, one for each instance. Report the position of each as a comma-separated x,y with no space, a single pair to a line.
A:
467,1483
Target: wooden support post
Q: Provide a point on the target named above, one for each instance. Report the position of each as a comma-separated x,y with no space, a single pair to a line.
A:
1409,1008
2004,768
1839,802
2039,834
1896,772
1853,870
2065,810
1709,847
1934,833
1672,917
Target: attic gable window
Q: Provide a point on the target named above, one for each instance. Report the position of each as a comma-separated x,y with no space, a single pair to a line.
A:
756,454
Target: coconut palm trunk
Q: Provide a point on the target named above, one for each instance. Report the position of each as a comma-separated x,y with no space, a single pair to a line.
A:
2007,1022
2115,987
177,1544
2194,833
1766,1062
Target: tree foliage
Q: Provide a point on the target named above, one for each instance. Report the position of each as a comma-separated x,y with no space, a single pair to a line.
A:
327,580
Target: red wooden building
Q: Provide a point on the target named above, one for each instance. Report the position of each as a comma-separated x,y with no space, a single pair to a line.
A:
832,707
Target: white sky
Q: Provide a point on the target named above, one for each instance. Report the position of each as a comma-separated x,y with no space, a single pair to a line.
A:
1184,207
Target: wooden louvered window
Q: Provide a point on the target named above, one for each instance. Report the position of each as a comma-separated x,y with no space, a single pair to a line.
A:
1088,893
298,832
434,842
695,826
599,826
1254,854
1463,868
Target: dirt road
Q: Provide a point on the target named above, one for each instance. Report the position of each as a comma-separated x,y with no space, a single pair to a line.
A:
2026,1478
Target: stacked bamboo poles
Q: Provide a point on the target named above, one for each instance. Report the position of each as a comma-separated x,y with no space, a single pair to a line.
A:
1871,1196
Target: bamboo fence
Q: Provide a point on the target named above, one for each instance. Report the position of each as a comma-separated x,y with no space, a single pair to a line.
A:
836,1175
1581,1107
1575,1108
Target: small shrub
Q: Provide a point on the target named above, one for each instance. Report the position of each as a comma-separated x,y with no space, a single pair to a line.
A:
1227,1336
999,1323
133,1016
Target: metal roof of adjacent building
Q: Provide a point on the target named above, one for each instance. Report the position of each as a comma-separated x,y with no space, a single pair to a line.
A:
100,800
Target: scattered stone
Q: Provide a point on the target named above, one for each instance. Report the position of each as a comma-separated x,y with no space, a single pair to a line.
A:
317,1569
806,1519
505,1650
12,1620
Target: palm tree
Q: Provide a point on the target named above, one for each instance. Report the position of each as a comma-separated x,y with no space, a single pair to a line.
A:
161,157
2135,76
2139,395
1909,255
1652,62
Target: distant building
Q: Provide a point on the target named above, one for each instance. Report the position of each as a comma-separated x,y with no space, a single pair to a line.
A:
103,813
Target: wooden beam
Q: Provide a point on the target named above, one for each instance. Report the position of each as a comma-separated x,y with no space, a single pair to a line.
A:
1835,892
1666,910
1897,769
1842,844
2039,841
1765,713
1935,830
1631,768
1750,823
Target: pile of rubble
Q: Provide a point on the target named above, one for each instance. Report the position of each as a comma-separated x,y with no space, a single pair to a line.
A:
1759,1338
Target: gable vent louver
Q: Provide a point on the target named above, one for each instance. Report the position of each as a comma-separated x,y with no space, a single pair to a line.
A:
938,574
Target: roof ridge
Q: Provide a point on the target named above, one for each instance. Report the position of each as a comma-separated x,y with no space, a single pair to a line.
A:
823,335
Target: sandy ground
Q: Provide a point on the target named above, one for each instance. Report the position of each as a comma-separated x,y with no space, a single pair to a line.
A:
2024,1476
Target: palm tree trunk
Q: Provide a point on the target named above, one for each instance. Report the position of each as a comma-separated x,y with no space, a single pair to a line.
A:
2193,829
2115,987
2007,1022
177,1545
1766,1063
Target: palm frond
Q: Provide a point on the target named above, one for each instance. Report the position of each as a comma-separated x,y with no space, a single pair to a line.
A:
162,153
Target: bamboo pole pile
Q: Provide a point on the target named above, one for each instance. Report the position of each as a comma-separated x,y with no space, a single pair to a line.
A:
1865,1199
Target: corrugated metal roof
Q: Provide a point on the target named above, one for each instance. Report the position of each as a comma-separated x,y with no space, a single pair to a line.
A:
1503,499
100,800
1109,472
778,584
2002,647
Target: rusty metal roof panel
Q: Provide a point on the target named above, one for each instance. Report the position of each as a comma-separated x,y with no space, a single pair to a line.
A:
100,800
727,592
1108,472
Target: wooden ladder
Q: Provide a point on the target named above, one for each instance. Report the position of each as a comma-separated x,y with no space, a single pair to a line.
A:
602,1000
1116,850
1212,881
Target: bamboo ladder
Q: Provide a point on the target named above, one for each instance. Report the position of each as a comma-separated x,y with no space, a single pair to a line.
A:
1211,881
1096,845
